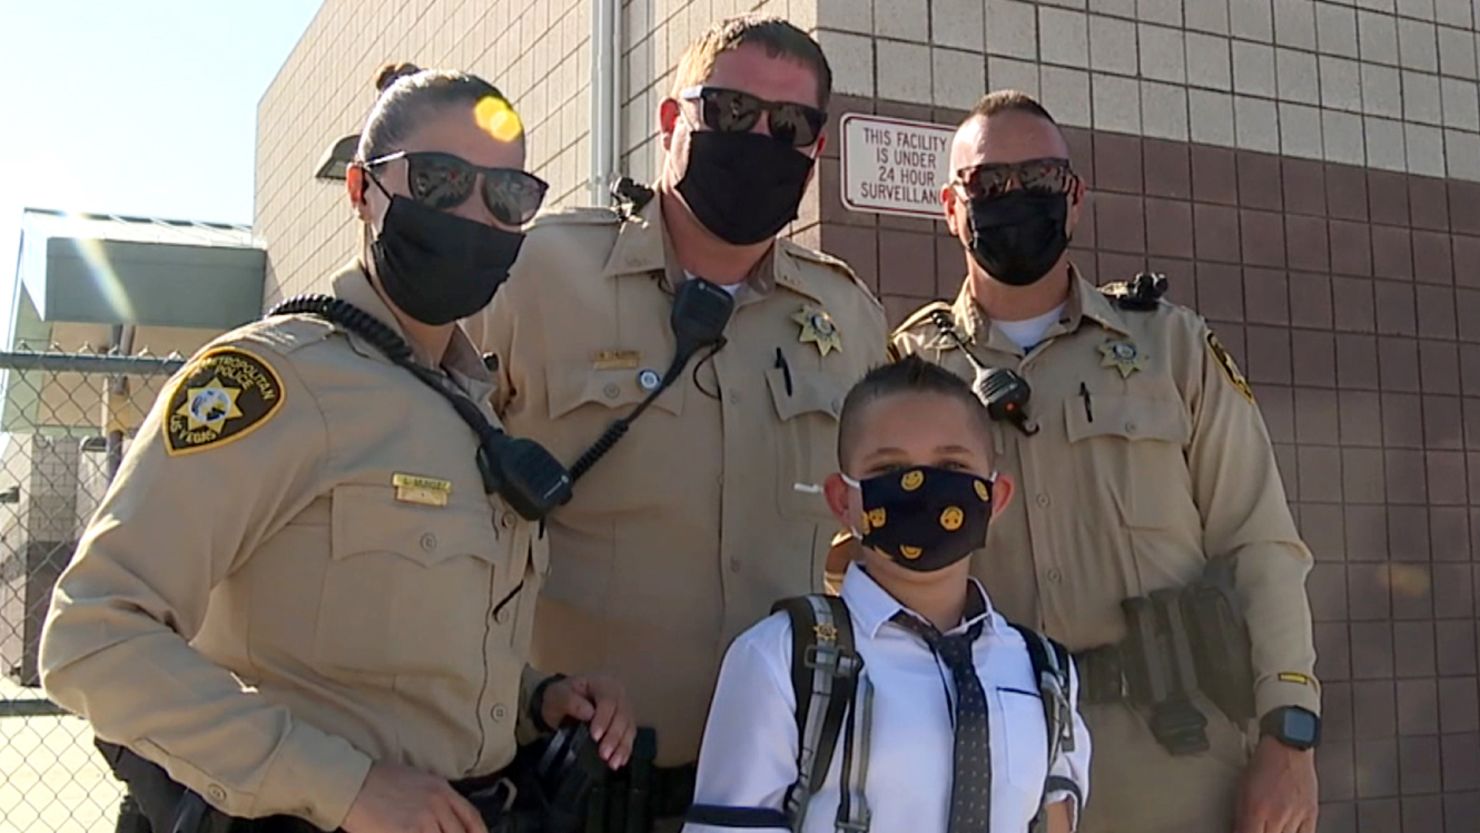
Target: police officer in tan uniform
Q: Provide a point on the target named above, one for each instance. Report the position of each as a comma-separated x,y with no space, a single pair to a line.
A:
710,508
1141,457
297,597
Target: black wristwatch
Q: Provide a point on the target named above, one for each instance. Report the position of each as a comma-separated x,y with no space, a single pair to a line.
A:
1293,726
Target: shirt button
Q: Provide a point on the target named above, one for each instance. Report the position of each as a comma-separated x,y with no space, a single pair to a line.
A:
507,520
1054,575
1041,499
734,397
428,542
611,391
215,793
502,617
1130,428
734,565
499,713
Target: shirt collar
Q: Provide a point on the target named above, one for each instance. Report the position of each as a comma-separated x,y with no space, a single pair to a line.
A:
643,248
1085,301
872,607
461,361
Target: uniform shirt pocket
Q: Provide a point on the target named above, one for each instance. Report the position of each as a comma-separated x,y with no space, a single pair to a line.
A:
1130,448
406,583
1023,736
570,388
807,405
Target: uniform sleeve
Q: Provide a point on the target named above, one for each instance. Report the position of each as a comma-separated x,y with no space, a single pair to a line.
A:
1072,766
1242,502
172,525
748,757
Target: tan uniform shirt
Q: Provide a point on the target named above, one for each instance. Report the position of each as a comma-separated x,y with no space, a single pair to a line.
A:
297,572
694,524
1151,457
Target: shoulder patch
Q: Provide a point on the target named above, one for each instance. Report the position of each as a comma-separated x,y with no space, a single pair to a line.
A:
225,394
921,316
1230,367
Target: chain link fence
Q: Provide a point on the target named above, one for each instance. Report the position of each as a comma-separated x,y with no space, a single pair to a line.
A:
65,421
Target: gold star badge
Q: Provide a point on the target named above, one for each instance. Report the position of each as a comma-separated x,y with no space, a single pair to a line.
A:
209,406
818,328
1123,356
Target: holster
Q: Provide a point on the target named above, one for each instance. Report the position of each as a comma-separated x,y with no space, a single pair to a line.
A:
159,802
1225,667
1179,643
631,799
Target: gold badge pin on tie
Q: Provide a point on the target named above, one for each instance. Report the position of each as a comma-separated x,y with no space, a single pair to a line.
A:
1123,356
818,328
426,491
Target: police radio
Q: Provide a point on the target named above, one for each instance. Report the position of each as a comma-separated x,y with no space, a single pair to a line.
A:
701,310
1003,391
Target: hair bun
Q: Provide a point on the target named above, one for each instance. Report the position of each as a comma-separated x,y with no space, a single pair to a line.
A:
390,73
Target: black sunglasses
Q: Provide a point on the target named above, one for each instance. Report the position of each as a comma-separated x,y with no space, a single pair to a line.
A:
443,181
731,111
1051,176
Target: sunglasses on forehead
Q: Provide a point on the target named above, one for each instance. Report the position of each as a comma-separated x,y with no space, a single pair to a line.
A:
1051,176
731,111
443,181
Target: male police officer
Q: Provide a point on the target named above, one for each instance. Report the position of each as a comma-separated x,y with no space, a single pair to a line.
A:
1142,457
710,508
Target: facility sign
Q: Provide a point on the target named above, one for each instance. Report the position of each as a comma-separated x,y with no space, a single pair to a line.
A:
894,166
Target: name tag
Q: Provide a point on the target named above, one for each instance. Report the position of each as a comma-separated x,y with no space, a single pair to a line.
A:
616,360
425,491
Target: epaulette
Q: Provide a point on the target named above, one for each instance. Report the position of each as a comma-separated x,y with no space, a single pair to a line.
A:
922,315
1142,293
282,333
815,256
577,216
824,259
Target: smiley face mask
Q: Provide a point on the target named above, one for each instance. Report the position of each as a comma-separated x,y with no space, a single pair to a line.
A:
925,518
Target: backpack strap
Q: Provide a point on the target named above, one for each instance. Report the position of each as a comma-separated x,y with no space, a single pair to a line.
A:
1050,662
824,676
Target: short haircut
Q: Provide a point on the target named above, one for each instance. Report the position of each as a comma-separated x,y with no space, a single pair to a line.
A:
1009,101
912,375
407,94
779,37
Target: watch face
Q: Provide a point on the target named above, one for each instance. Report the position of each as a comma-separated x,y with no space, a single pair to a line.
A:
1299,727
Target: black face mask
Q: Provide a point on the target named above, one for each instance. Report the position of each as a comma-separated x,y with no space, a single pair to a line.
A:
925,518
744,187
438,267
1019,236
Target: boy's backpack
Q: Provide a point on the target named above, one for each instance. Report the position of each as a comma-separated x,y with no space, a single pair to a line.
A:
826,678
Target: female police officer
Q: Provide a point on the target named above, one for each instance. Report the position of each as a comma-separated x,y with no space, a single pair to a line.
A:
297,596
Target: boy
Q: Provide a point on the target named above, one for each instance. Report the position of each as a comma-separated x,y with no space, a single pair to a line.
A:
947,731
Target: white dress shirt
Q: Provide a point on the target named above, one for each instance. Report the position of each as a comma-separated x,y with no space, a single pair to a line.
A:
749,754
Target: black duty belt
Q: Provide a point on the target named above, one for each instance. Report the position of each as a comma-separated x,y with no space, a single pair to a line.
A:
1102,677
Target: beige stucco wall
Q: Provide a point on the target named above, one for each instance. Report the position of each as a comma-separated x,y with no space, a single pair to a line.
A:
536,51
